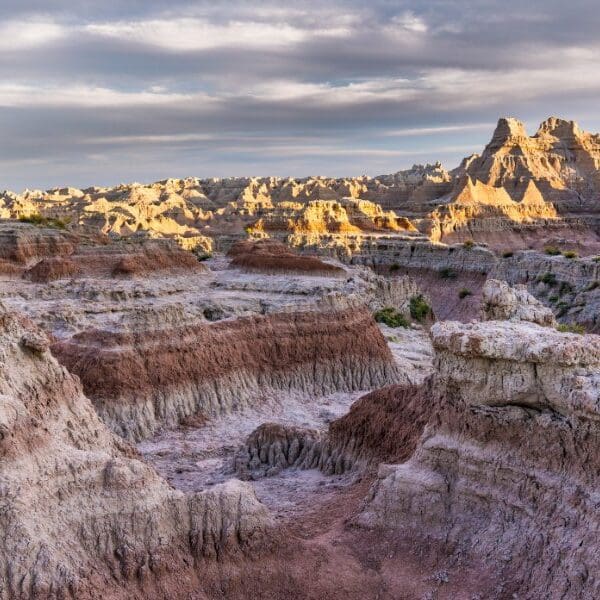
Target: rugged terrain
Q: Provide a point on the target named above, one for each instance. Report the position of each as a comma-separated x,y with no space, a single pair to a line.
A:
324,388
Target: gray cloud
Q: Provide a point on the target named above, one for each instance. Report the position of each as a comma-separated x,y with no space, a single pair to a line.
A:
97,92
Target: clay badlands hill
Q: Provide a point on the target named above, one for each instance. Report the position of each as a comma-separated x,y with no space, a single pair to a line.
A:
323,388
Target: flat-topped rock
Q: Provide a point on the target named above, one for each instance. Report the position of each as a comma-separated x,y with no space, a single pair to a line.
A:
519,342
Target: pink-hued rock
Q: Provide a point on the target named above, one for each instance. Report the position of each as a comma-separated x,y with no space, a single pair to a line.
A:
81,515
505,478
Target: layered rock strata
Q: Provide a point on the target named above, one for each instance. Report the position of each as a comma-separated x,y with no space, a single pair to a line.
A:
505,476
502,302
271,256
142,379
81,515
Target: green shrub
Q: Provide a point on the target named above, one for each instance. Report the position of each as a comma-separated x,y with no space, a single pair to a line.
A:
548,278
394,267
596,259
447,273
391,317
571,254
565,288
464,293
507,254
592,286
202,256
41,221
552,250
419,309
571,328
469,244
553,299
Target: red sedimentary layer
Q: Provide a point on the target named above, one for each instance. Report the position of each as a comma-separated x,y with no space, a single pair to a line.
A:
50,269
21,243
385,425
159,258
271,255
128,364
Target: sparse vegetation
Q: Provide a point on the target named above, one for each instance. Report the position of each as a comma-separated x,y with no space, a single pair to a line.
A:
40,221
552,250
464,293
507,254
571,254
419,309
571,328
562,308
469,244
447,273
596,259
391,317
548,278
565,288
592,286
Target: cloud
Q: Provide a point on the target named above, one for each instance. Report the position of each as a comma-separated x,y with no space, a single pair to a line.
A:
16,35
98,90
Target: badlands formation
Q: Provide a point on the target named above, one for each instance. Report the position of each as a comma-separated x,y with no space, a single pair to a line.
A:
347,389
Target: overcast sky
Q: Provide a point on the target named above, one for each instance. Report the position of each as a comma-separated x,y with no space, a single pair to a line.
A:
106,91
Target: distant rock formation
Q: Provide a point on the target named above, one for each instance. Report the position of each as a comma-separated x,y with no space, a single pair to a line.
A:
562,160
519,184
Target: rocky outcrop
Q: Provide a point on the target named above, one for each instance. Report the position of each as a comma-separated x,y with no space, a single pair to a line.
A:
384,425
271,256
22,243
503,302
504,478
80,513
140,380
476,208
571,286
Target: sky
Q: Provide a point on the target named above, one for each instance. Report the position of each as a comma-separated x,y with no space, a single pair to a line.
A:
102,92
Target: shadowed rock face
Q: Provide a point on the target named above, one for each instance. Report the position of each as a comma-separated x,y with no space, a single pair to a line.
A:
81,515
506,474
382,426
141,379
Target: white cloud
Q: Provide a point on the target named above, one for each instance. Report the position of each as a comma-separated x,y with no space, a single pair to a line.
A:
408,21
20,35
188,34
84,96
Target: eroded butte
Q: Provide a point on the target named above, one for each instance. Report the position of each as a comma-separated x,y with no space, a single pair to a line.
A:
274,388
